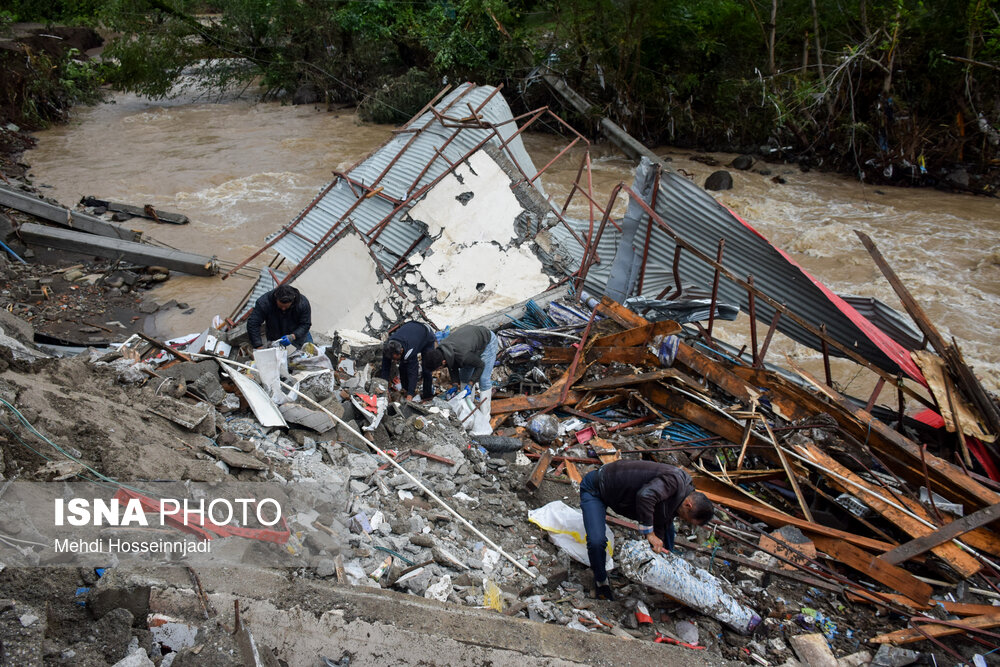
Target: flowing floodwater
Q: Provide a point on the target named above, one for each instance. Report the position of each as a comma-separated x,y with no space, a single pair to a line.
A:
241,170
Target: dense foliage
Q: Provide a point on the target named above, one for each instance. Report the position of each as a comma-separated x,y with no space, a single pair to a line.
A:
876,86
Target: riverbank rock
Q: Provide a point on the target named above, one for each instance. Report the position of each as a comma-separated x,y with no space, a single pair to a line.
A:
719,180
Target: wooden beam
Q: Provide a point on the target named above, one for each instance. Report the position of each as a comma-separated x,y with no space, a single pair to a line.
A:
638,335
950,353
620,314
715,372
959,560
890,576
957,608
778,519
952,480
941,535
694,412
615,381
538,473
936,630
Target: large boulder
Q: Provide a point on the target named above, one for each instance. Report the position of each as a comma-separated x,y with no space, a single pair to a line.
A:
719,180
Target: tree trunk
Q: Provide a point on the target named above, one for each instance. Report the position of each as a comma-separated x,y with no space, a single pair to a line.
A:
770,38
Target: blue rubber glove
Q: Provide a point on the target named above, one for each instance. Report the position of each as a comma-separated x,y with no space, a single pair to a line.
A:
284,341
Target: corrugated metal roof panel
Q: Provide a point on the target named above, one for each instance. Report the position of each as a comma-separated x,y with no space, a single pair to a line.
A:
404,159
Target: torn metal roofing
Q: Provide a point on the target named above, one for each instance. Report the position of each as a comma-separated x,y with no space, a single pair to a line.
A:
697,218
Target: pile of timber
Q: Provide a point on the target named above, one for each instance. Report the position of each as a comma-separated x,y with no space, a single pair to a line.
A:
779,453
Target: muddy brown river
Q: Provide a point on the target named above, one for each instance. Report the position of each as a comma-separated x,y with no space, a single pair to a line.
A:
241,170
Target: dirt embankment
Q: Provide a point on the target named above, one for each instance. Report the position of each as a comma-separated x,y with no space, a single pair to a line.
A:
34,87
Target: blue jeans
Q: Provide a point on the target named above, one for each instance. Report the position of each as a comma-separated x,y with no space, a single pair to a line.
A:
595,523
489,357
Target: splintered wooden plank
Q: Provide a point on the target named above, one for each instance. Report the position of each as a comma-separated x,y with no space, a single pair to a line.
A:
573,472
957,608
636,356
682,406
615,381
934,372
550,398
947,532
620,314
778,519
908,636
953,483
890,576
538,474
605,451
870,495
638,335
715,372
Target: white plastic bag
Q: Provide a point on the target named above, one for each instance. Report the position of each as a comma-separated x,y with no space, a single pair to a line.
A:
272,364
564,524
479,423
461,404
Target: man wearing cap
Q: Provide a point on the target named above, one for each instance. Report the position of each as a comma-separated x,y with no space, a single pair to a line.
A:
645,491
286,315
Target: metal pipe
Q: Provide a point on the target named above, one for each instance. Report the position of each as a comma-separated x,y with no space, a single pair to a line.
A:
715,285
751,298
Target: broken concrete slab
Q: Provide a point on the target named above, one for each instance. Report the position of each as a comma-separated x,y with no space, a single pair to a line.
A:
317,420
813,650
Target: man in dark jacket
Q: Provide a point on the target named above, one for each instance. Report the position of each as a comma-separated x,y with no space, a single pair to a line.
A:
404,345
644,491
286,315
470,353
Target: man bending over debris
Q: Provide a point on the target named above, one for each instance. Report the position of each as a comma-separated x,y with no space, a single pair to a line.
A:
286,315
403,346
470,353
644,491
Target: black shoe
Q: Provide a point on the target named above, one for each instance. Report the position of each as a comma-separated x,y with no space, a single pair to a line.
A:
604,593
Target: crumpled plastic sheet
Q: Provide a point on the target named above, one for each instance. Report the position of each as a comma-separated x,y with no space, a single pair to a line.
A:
689,585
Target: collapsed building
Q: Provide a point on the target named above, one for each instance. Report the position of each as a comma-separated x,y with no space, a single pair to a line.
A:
842,525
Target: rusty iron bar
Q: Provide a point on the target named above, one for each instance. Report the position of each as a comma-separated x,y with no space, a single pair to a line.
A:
630,423
395,158
552,161
826,357
576,186
438,151
902,407
875,393
753,319
590,191
649,233
590,249
715,286
767,339
675,266
377,230
406,253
